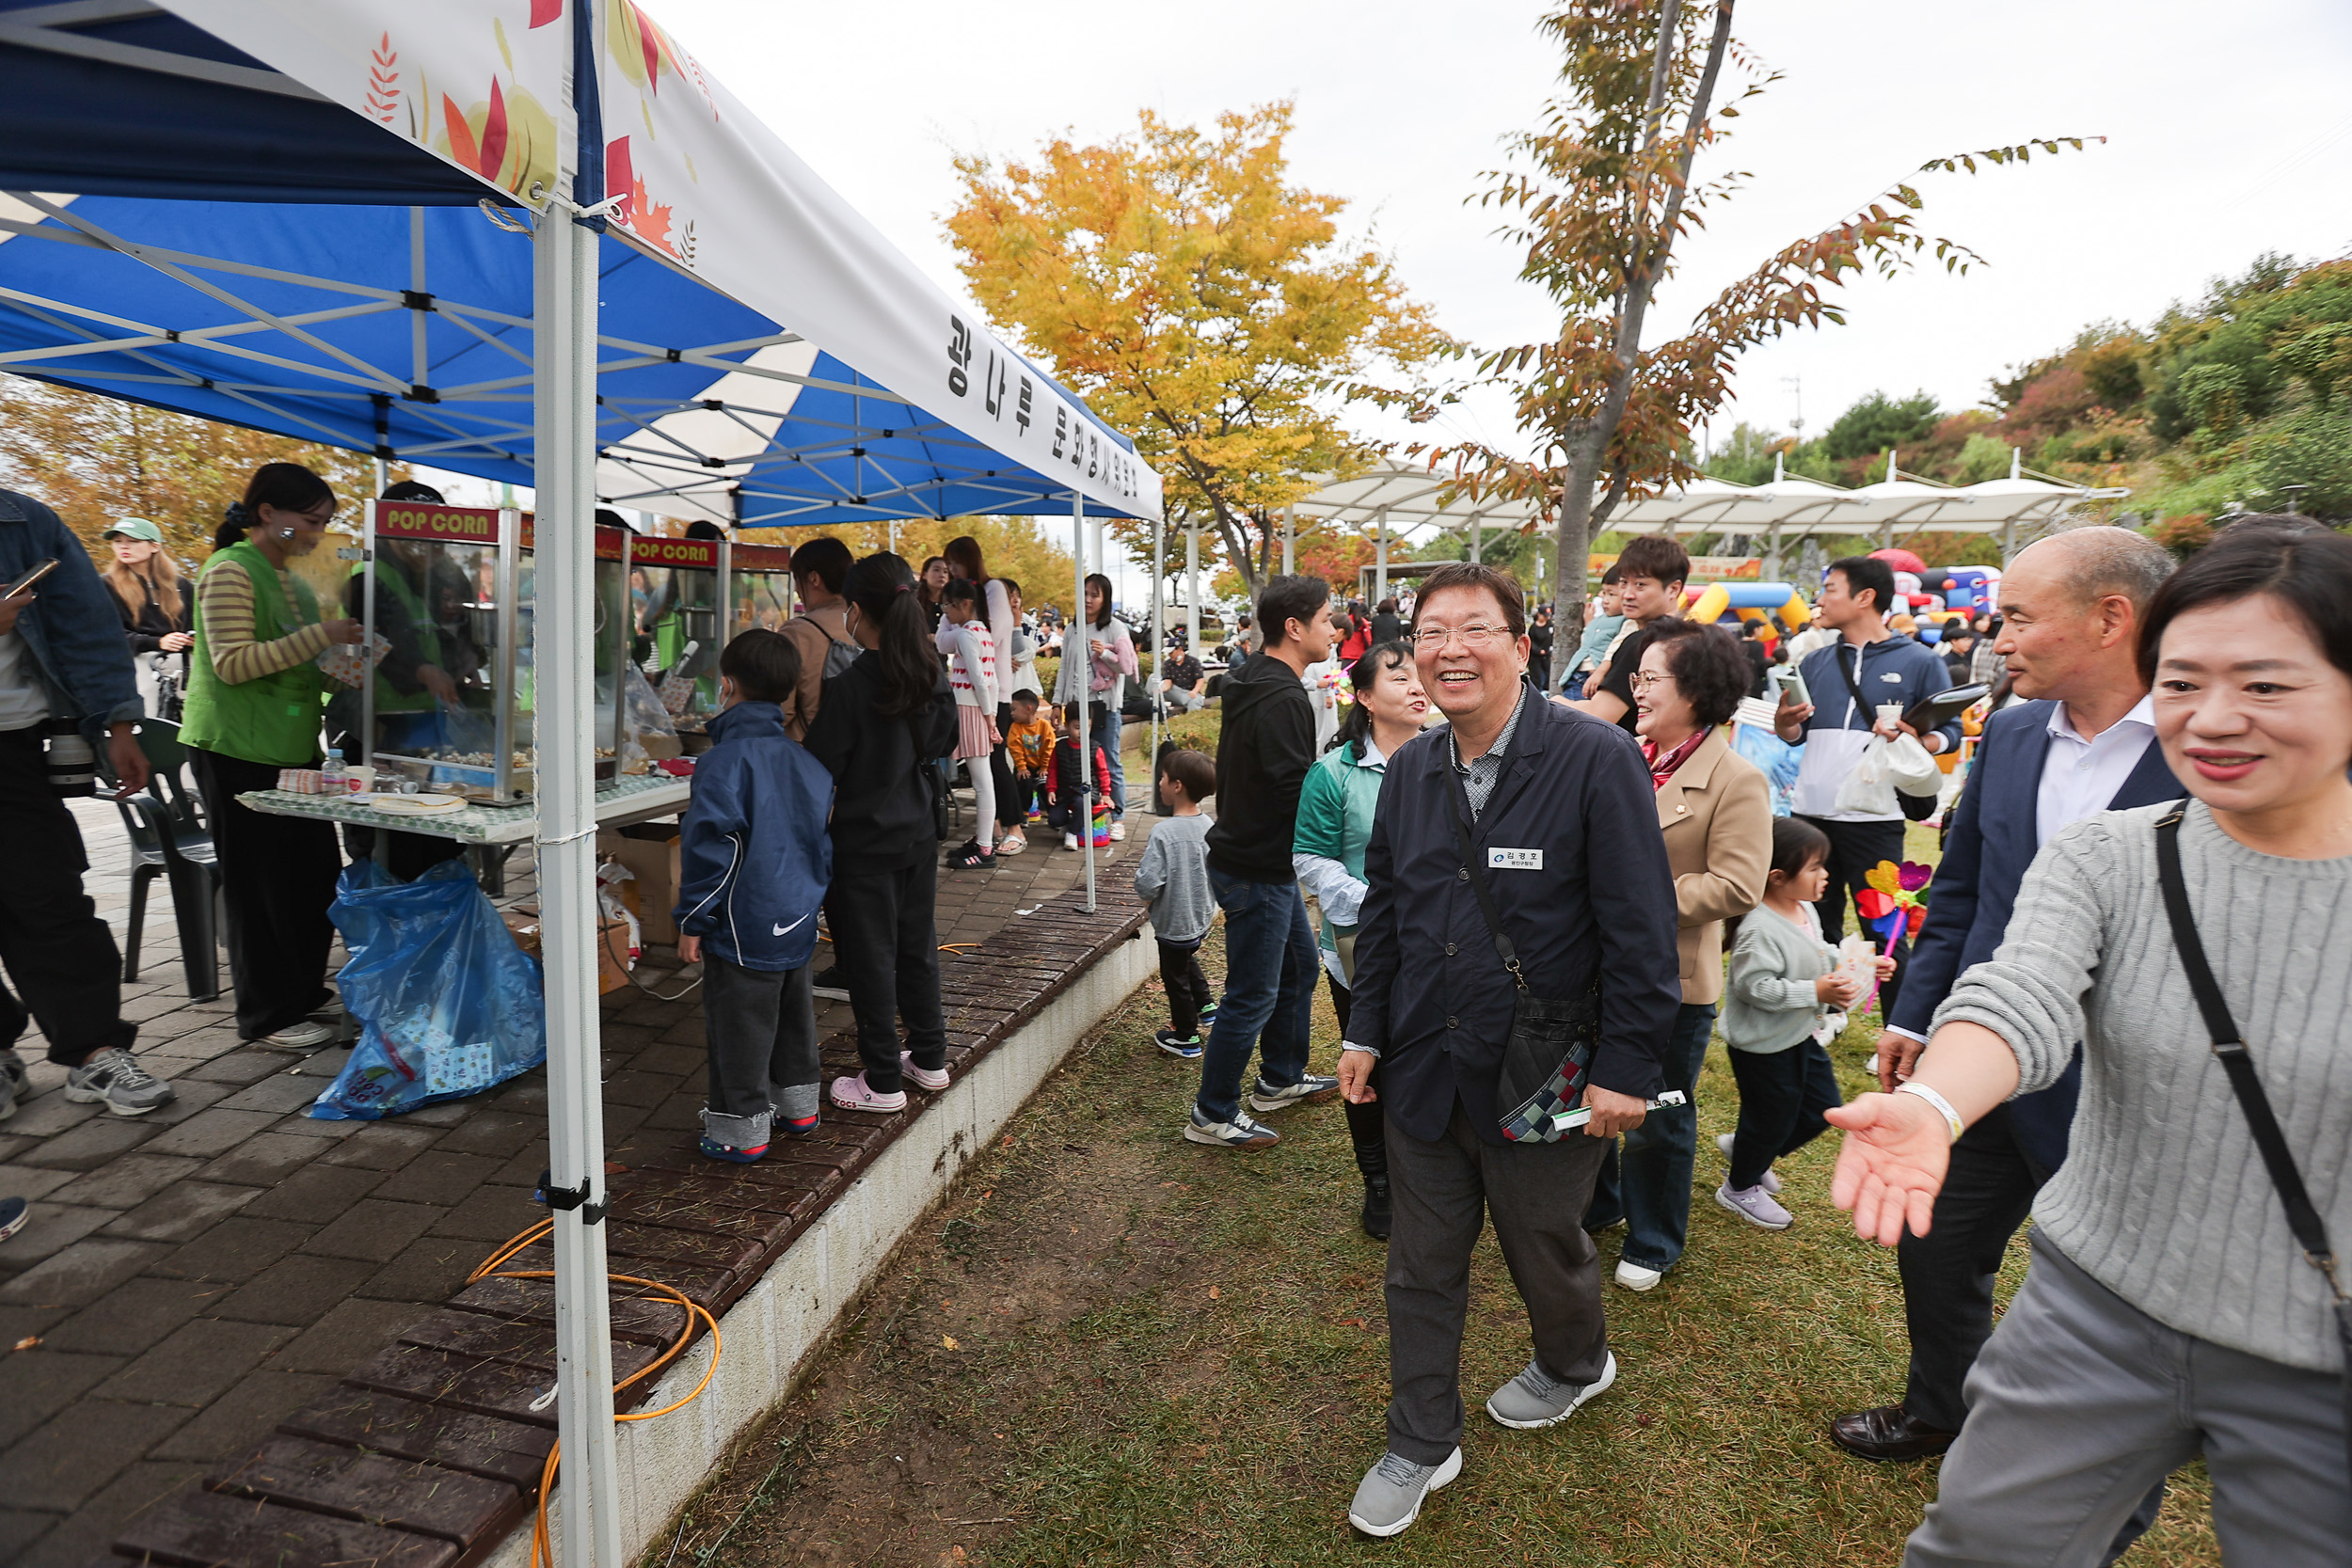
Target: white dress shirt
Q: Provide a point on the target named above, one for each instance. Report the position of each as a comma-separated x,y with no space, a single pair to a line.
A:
2080,777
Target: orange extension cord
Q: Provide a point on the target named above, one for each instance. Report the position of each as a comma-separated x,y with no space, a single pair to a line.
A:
490,1269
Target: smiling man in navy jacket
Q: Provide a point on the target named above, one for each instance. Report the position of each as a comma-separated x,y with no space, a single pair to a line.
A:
1565,825
2072,605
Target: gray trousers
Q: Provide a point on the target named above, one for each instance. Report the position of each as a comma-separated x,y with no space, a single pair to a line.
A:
759,1027
2080,1402
1443,1194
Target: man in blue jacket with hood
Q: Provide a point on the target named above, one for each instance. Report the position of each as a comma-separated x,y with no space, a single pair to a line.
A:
63,663
754,862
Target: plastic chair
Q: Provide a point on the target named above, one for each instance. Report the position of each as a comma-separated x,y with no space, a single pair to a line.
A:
169,839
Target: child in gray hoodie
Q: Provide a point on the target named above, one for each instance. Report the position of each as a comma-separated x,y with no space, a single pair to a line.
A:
1173,878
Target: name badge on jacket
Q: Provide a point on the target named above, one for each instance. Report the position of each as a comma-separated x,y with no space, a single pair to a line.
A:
1514,860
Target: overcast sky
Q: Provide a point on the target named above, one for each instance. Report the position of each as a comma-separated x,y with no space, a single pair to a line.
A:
2229,135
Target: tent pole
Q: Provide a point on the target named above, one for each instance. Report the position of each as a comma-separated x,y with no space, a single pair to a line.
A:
1159,658
1290,540
1192,591
1477,537
565,332
1380,578
1081,686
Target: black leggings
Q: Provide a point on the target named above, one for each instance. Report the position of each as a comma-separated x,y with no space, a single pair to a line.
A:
277,883
1008,802
1365,1134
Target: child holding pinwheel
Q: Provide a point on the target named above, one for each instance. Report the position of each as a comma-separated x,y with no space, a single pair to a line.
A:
1784,978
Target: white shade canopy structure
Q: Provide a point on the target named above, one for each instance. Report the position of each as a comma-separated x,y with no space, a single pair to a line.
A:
1394,499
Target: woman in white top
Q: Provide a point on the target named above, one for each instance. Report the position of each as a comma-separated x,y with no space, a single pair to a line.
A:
1108,668
1016,670
964,637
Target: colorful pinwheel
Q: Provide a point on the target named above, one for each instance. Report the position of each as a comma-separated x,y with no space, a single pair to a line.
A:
1894,904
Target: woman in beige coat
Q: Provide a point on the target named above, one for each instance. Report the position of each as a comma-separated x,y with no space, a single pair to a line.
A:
1715,811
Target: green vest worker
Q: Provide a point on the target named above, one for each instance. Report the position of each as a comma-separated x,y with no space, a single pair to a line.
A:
256,696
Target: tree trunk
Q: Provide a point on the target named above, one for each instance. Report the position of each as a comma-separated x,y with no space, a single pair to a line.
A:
1586,453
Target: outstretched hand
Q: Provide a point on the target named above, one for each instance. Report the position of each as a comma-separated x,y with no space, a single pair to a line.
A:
1892,1164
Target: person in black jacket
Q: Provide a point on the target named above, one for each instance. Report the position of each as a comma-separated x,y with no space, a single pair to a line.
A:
881,728
1264,750
156,601
1563,824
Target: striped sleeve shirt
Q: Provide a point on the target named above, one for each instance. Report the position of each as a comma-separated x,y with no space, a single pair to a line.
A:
224,598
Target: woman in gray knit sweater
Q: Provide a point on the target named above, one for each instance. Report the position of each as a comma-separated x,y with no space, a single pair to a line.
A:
2168,1310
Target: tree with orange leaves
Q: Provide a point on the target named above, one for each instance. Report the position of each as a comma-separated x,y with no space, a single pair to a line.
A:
1199,301
1602,193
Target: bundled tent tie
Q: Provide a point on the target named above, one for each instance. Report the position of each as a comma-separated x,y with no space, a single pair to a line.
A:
587,832
542,1547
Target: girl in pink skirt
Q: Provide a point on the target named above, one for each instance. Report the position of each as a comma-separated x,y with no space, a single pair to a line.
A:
964,637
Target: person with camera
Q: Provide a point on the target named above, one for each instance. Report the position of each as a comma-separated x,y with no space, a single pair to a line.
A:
256,700
66,683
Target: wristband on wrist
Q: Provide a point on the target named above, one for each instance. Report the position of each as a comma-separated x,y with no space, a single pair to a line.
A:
1951,1116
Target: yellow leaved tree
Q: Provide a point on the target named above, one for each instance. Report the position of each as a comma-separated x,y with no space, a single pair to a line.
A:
1204,306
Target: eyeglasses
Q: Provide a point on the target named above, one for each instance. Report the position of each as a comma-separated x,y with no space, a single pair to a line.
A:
1475,636
1643,680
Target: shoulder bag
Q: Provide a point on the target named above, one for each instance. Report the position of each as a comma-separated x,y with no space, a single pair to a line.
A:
2311,1231
1550,1048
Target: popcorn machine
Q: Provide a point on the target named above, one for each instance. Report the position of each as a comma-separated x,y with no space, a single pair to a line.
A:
759,587
439,585
675,627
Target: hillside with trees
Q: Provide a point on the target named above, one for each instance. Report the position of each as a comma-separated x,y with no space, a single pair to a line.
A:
2229,402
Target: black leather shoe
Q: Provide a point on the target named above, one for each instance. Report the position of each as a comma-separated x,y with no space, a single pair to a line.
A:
1376,1207
1887,1434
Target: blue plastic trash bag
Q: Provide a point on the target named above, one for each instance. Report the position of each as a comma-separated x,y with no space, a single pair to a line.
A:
1774,757
450,1006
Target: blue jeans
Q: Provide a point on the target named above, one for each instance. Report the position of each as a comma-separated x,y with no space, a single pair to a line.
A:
1270,970
1119,765
1650,1184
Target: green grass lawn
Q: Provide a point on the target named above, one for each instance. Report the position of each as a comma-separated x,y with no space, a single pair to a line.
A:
1108,1345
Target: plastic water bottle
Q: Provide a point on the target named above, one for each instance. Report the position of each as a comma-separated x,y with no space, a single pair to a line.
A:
332,778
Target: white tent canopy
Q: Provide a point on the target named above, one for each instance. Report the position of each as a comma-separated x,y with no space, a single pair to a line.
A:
1394,499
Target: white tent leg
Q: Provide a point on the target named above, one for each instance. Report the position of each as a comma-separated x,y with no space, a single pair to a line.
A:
1290,540
1192,591
1159,658
1380,565
565,335
1083,625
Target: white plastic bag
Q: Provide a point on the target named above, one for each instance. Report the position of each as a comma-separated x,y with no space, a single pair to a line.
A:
1911,769
1870,789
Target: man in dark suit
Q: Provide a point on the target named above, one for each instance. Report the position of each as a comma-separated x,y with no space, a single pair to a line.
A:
2072,605
1563,834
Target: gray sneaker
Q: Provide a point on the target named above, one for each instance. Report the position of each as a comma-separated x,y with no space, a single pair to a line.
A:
1389,1497
115,1077
1243,1131
1310,1090
1535,1399
13,1082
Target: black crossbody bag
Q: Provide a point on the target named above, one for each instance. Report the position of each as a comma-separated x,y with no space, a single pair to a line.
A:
1550,1048
1915,808
2311,1231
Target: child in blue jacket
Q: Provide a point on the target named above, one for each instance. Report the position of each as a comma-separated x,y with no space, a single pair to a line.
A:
754,865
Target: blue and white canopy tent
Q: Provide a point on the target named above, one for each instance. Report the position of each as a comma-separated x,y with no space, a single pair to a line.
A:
525,240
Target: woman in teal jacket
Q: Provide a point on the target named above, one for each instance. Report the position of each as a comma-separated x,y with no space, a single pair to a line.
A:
1334,826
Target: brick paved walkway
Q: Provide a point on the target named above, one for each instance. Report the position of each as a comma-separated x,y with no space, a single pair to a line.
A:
192,1277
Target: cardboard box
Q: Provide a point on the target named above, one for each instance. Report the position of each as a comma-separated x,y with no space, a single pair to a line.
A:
611,946
652,894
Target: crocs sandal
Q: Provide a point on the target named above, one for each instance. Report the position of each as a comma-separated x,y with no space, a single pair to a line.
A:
922,1078
852,1094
